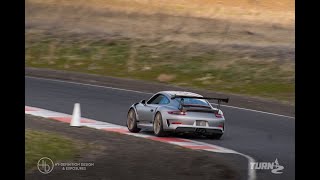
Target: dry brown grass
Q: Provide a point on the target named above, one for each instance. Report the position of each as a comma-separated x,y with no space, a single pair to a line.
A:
116,38
262,11
89,18
166,77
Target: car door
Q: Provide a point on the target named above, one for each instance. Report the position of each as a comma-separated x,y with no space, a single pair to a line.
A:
147,111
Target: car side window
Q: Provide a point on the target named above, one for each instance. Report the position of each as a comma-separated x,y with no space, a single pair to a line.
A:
156,99
164,100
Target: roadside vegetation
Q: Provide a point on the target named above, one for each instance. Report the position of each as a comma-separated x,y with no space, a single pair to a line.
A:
40,144
224,56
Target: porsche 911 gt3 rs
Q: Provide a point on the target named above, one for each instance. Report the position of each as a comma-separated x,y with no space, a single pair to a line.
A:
177,111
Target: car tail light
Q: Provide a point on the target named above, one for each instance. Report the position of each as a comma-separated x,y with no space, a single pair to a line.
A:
221,126
218,115
177,112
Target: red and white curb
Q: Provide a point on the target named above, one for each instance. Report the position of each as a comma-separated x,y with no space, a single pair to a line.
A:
187,143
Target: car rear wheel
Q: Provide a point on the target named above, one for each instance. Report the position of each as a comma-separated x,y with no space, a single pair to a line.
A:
214,136
158,126
132,122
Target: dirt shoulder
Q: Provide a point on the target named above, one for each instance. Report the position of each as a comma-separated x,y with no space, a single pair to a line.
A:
138,85
126,157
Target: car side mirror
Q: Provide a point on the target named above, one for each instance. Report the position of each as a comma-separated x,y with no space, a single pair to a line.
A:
143,102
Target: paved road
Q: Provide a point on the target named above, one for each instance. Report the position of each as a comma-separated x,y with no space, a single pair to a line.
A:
264,137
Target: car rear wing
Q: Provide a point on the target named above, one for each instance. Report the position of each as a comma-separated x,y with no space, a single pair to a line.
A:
226,100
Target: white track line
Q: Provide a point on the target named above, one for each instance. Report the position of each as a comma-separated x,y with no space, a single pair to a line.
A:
141,92
99,125
251,172
256,111
85,84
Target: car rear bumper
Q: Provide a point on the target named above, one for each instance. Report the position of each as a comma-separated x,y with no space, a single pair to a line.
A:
198,130
203,123
195,129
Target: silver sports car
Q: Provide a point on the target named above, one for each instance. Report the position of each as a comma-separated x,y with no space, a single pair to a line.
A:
177,111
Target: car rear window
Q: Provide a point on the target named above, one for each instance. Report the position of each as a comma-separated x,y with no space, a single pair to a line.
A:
193,101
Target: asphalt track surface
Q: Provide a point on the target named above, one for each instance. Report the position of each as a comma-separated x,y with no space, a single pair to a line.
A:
264,137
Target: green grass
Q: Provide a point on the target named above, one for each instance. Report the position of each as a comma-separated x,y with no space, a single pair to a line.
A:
40,144
137,59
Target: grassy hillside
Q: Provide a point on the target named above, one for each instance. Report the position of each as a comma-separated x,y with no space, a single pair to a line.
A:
112,38
274,11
